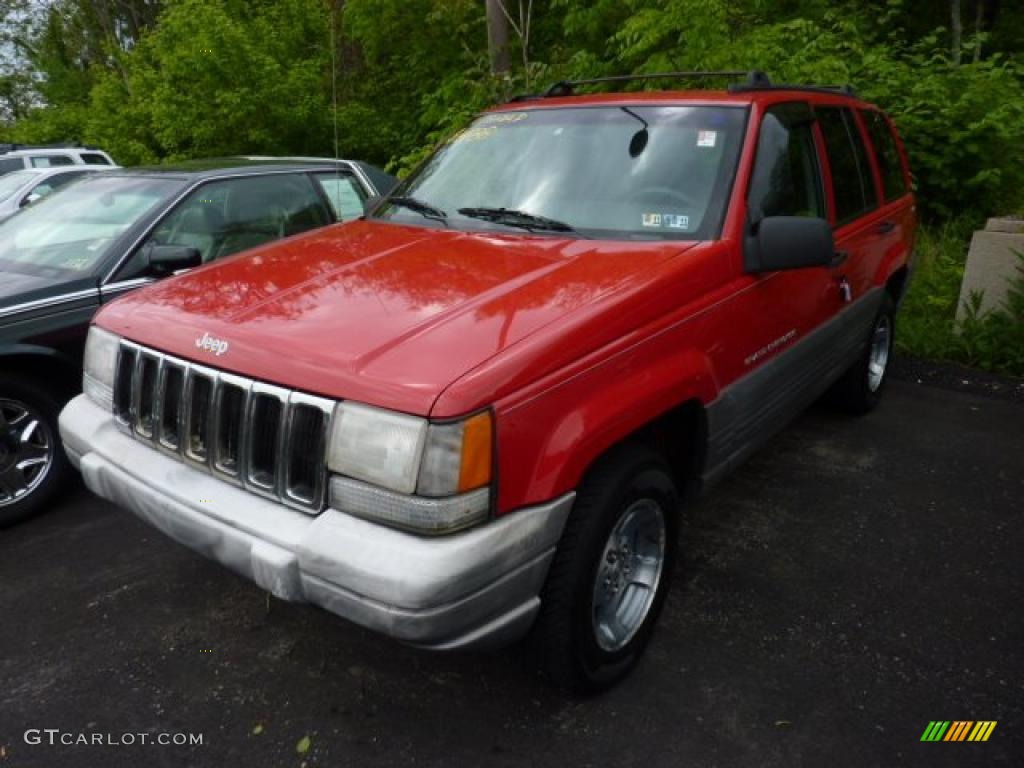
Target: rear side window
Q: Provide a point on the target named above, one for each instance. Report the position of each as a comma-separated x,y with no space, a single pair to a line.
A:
786,179
894,183
51,161
91,158
11,164
851,174
344,195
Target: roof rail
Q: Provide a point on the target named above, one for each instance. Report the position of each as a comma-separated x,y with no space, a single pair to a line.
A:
5,148
568,87
755,80
846,90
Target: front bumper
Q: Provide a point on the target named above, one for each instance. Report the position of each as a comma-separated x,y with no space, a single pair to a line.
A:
474,589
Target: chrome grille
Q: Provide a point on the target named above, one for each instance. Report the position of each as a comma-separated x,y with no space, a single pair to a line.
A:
270,440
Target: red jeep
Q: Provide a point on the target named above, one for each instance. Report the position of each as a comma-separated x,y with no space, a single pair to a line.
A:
474,413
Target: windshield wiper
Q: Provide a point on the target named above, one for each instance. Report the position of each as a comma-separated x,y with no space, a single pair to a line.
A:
415,204
514,218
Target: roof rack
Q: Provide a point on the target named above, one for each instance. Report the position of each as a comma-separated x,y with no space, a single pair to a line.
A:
755,80
5,148
568,87
845,90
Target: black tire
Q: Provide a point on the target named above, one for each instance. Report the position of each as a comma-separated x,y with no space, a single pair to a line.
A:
564,639
47,406
856,392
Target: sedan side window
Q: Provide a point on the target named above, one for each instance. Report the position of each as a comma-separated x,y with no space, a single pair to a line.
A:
786,180
344,194
225,217
55,182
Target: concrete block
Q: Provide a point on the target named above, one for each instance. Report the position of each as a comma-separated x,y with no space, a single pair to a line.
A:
992,263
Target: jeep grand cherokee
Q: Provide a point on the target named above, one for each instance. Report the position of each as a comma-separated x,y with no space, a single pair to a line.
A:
475,413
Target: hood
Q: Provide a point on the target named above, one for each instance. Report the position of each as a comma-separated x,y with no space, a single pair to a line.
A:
381,313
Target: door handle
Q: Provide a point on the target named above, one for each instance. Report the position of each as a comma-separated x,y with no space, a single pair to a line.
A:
885,227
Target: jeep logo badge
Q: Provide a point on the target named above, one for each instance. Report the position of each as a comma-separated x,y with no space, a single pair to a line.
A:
211,344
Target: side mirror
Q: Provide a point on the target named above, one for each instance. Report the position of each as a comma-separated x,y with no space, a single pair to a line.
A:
788,242
166,259
30,199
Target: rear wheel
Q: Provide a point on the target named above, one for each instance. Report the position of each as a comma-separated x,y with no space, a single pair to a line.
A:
611,572
860,388
33,466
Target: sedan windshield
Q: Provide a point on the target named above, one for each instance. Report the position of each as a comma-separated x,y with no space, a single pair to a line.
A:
12,182
73,229
636,172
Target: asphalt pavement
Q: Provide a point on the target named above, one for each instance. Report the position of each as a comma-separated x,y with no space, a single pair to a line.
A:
854,581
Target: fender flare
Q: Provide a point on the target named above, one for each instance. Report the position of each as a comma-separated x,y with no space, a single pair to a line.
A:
612,416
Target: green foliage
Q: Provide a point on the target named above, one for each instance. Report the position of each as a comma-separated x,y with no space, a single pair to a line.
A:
927,321
994,340
928,314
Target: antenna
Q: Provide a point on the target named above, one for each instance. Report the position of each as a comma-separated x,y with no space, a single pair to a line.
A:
334,75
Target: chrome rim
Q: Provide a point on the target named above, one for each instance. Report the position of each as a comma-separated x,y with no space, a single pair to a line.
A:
26,451
879,357
628,574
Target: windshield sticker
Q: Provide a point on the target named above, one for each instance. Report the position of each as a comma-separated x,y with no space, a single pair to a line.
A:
706,138
77,264
670,220
503,118
478,133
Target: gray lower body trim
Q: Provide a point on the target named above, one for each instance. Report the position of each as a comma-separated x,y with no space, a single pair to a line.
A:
474,589
753,409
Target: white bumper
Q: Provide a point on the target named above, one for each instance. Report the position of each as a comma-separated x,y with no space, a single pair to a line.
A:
478,588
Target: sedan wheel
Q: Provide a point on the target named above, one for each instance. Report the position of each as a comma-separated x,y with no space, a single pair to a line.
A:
27,449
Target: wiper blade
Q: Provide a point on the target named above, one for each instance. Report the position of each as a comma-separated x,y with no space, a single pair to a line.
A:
415,204
514,218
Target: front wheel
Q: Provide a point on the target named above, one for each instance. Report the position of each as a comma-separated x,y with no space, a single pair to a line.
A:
611,572
860,388
33,466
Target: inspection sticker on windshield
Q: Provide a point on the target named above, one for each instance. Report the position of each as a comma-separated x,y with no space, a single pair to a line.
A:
706,138
671,220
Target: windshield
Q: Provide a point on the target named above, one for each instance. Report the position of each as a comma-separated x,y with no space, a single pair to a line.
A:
637,172
73,229
12,182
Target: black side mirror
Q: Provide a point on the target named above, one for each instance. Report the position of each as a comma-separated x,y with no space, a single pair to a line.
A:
166,259
788,242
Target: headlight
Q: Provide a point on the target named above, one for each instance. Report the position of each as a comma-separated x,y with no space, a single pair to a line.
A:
99,364
436,477
377,446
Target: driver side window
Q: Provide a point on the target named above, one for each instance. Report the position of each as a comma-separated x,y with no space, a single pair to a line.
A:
221,218
786,180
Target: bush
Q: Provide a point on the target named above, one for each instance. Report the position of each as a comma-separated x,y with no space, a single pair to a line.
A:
927,320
